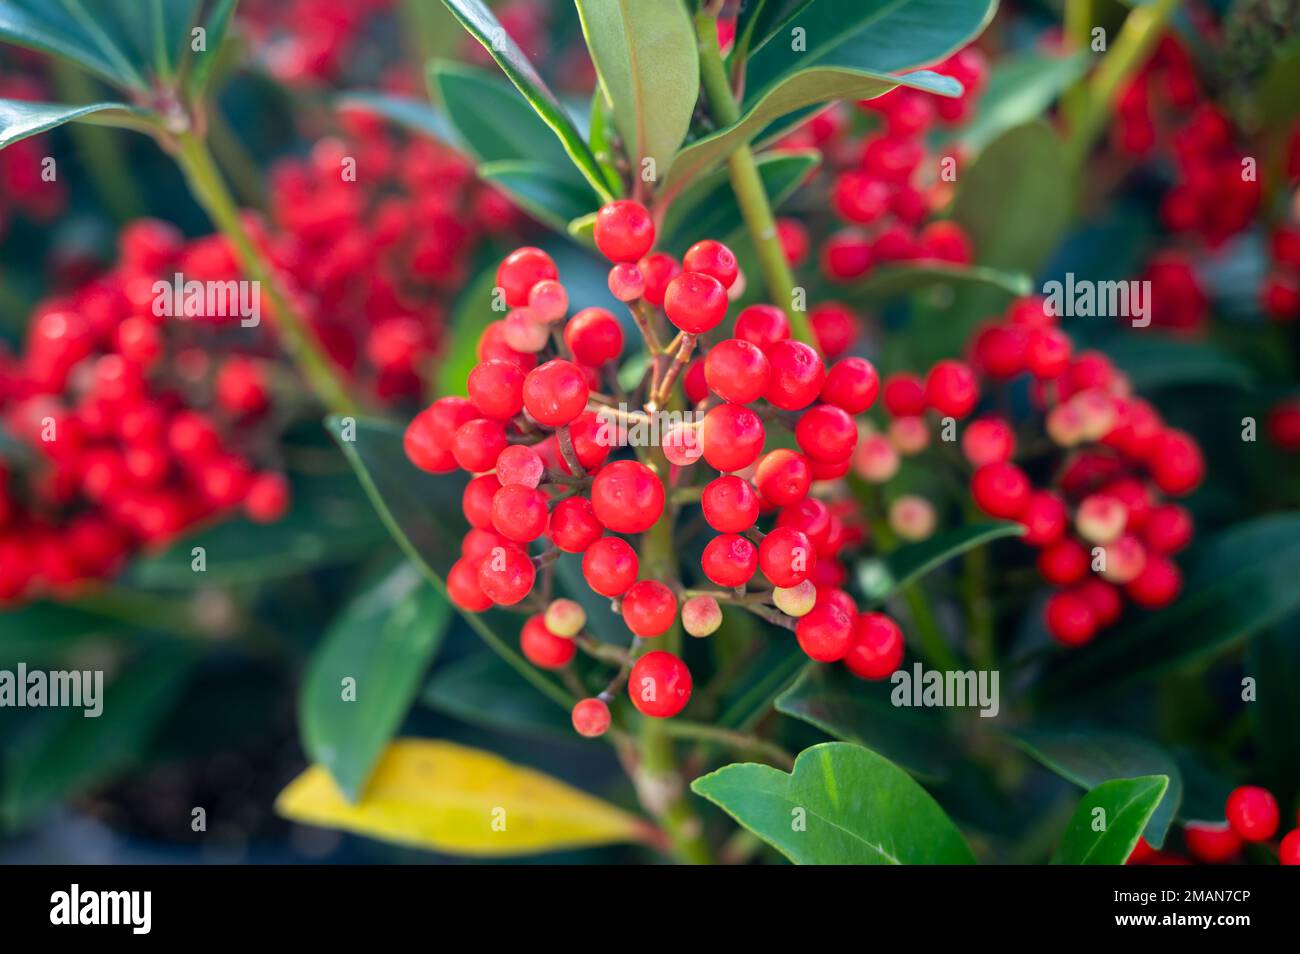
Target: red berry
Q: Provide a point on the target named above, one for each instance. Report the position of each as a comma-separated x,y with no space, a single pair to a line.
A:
1157,585
574,526
649,608
267,499
712,258
477,444
905,395
626,283
241,387
1213,844
1063,562
999,351
1047,352
990,440
737,370
520,464
659,685
476,499
729,560
732,436
591,718
783,477
762,325
657,270
521,270
1001,490
1252,813
543,648
947,242
826,633
610,566
1176,463
877,648
1168,529
423,450
826,433
851,384
627,496
506,574
1070,619
594,336
497,389
624,230
951,389
463,586
786,556
835,327
519,513
1289,851
797,375
860,197
1103,597
730,504
846,255
555,392
695,302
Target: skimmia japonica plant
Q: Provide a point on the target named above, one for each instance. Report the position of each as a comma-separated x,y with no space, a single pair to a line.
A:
835,431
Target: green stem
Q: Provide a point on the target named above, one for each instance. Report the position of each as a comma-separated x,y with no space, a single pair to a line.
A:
234,158
740,741
929,637
299,340
748,184
1137,38
1078,34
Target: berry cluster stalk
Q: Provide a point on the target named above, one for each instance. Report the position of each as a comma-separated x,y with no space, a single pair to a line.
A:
209,189
747,184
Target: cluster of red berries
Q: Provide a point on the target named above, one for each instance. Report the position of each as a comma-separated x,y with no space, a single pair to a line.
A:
308,42
26,188
886,184
1280,297
1252,816
132,425
1102,526
542,442
377,233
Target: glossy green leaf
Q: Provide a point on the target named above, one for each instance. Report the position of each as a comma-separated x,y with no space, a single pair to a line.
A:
881,36
894,281
708,207
1153,362
417,115
1273,661
66,754
758,21
1122,808
1020,89
551,198
881,577
799,91
492,120
842,804
1088,757
484,27
20,119
216,26
484,691
421,511
853,710
645,56
1016,199
1242,581
382,641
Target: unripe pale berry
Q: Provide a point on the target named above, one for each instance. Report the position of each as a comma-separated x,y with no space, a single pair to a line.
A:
1100,518
519,464
912,517
795,600
591,718
565,618
701,616
909,434
875,460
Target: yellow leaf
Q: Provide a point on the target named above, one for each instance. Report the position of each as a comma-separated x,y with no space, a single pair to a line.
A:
457,800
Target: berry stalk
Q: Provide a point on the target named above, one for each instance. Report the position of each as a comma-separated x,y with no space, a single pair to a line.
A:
300,342
748,185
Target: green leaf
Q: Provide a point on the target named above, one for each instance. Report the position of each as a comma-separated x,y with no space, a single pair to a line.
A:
38,632
550,197
1020,89
1273,660
216,28
883,36
329,522
894,281
1088,757
855,808
67,753
417,115
20,119
645,56
418,509
1127,804
1015,201
383,641
492,120
484,691
758,20
1275,94
882,577
708,207
800,90
1156,361
861,712
484,27
1242,581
